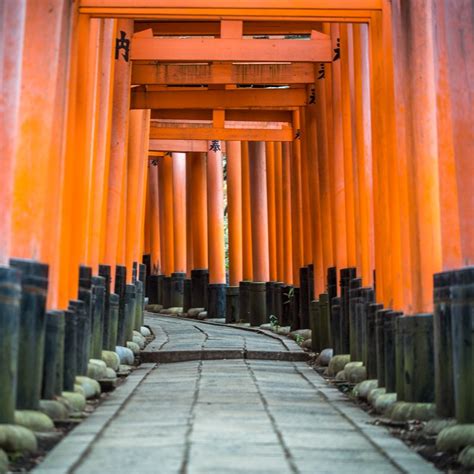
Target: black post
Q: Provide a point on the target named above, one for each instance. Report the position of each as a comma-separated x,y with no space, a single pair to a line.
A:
53,355
70,350
244,295
98,289
105,273
10,299
120,282
82,330
216,299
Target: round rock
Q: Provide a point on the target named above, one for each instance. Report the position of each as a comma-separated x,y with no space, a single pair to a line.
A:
34,420
145,331
17,439
139,341
111,359
337,363
362,389
54,409
325,357
90,386
77,401
456,437
125,354
96,369
466,458
3,462
135,348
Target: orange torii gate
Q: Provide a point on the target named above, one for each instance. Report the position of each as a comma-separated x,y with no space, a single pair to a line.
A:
354,144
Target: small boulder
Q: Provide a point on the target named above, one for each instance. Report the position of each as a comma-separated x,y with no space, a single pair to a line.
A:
308,344
111,374
139,341
153,308
125,355
78,389
77,401
34,420
384,402
356,373
300,334
266,326
135,348
466,457
54,409
96,369
90,386
145,331
325,357
337,363
456,437
3,462
202,315
435,426
341,376
374,394
194,312
362,389
283,330
174,310
111,359
404,411
17,439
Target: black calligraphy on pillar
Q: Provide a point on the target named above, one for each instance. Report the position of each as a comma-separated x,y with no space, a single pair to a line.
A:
122,43
154,162
298,134
312,96
322,71
215,145
337,50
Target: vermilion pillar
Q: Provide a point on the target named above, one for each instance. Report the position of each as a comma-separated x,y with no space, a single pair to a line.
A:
137,166
234,206
279,211
11,54
270,176
189,216
155,243
118,148
247,262
287,221
296,201
165,174
215,213
179,219
259,216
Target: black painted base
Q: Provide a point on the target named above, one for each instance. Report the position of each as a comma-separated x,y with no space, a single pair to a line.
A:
232,311
153,289
217,300
177,289
187,295
166,285
258,300
199,290
244,296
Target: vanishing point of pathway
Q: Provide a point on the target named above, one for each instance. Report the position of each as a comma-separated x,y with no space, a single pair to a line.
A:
261,409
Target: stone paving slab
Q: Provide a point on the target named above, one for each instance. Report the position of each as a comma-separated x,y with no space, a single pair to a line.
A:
180,340
229,416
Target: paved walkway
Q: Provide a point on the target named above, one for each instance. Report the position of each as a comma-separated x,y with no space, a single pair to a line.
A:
228,416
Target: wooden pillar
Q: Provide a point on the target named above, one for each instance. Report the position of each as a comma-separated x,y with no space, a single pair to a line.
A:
279,212
247,260
234,205
12,35
363,137
287,210
306,205
270,177
346,85
137,165
323,123
101,152
155,243
296,205
118,147
189,216
336,153
165,174
199,220
215,213
179,211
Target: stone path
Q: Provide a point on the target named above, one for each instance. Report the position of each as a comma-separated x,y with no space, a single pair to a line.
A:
228,416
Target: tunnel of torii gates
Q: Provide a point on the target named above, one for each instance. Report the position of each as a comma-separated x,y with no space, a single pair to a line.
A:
334,139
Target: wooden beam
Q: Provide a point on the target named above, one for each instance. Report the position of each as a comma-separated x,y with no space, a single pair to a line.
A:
219,99
147,73
234,115
327,10
161,146
206,133
212,28
231,49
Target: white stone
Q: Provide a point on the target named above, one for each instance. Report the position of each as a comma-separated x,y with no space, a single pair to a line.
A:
125,354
